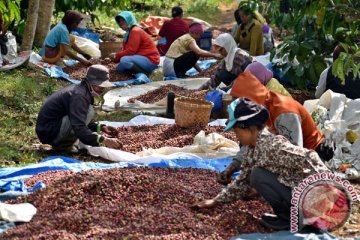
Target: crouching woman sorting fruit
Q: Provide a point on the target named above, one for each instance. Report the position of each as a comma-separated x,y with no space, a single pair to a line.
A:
271,164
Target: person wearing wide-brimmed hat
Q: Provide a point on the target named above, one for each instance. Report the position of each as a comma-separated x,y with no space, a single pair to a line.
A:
271,164
67,114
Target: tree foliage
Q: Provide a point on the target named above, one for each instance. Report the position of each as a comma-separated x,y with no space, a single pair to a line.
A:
315,27
10,10
89,6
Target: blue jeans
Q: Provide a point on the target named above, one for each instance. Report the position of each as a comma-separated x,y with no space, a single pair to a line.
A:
127,62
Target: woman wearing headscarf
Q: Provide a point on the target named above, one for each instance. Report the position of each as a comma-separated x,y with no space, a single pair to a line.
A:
139,54
58,42
287,118
265,76
184,53
235,61
249,35
271,165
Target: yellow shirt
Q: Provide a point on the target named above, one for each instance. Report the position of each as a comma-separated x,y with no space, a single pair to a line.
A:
180,46
275,86
250,38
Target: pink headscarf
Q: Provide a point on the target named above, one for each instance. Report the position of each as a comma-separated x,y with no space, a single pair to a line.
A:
260,72
196,28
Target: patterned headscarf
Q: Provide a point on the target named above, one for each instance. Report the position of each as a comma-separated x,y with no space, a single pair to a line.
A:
130,21
226,41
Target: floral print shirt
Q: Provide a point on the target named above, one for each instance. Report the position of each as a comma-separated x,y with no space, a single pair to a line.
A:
275,153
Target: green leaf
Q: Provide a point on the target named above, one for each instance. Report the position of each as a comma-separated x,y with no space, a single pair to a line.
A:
348,64
338,70
299,70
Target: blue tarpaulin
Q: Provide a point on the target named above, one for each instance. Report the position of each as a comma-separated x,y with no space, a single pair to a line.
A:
86,33
57,72
205,64
12,178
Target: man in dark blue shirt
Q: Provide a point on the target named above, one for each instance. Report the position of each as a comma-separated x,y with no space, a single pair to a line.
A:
67,114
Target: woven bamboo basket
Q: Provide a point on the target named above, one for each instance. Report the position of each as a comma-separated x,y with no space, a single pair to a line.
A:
190,112
109,47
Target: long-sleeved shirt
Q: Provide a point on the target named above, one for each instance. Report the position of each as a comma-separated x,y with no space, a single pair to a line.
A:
74,101
275,153
139,43
287,125
241,60
250,37
328,81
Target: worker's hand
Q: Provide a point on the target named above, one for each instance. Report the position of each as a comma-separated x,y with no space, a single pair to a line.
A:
87,56
109,130
112,143
86,62
224,178
112,56
218,56
209,203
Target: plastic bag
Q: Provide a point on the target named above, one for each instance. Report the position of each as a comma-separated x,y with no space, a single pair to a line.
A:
88,46
12,48
215,97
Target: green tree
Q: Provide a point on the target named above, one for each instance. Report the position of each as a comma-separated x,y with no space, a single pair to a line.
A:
10,11
315,27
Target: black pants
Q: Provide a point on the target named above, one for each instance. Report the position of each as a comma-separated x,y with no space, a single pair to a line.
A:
325,152
224,76
185,62
276,194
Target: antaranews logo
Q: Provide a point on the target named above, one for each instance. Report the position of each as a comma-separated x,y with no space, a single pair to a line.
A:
322,200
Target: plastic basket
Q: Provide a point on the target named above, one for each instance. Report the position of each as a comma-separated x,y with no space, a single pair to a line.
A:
190,112
109,47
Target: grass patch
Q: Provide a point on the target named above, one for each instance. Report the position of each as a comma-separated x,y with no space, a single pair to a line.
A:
21,96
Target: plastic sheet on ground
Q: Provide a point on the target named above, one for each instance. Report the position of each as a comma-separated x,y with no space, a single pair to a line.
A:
86,33
56,71
335,115
205,146
121,95
88,46
17,174
21,58
205,64
285,235
20,212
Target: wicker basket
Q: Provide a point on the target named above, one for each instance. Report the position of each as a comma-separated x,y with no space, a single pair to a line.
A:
190,111
109,47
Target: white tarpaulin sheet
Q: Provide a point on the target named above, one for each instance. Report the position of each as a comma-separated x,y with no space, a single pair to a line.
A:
120,96
204,147
336,115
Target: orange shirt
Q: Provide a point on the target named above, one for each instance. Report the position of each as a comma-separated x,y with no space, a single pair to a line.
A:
139,43
247,85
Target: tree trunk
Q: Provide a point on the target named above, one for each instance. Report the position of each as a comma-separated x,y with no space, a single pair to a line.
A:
31,21
46,9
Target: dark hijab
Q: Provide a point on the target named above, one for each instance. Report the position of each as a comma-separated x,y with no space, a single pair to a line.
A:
70,18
